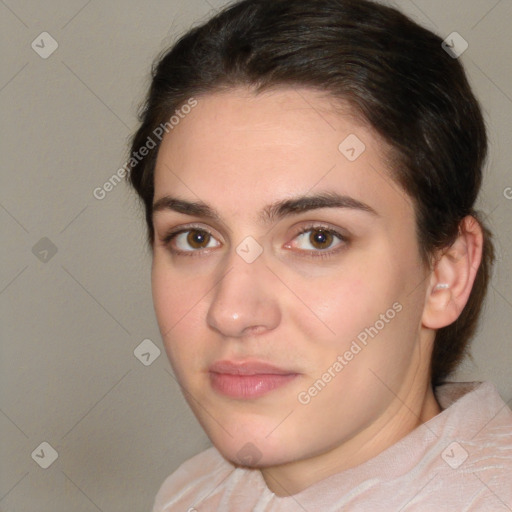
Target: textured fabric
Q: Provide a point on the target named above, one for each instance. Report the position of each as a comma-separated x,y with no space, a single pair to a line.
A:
460,460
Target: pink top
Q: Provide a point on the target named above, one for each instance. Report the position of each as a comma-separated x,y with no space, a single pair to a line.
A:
460,460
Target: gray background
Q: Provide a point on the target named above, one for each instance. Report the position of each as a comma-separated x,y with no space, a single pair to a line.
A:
72,320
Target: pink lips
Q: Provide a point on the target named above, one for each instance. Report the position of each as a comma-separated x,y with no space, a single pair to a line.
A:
248,379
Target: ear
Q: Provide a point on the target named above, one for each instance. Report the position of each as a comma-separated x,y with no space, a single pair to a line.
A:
453,276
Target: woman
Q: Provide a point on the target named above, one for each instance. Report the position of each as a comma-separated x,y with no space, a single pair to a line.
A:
309,172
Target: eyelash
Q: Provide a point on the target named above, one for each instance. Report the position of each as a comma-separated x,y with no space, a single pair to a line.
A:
169,237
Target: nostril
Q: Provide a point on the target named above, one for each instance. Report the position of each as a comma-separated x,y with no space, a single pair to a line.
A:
256,329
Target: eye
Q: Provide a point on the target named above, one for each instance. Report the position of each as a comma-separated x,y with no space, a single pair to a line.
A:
190,240
317,239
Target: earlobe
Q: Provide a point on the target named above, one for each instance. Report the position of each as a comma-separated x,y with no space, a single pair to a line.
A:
453,276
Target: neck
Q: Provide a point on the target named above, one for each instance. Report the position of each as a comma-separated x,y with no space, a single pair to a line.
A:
407,411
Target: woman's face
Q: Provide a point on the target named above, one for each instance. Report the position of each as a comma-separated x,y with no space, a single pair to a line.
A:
290,300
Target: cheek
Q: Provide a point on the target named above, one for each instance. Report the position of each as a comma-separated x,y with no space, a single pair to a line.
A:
346,307
178,306
337,307
175,292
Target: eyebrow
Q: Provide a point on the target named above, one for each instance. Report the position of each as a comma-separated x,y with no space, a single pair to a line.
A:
272,212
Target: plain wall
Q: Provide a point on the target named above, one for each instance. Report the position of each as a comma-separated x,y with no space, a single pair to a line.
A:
71,321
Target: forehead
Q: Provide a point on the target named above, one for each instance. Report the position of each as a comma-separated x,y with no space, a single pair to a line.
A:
257,149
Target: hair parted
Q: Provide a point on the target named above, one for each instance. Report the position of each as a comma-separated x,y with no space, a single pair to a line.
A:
392,72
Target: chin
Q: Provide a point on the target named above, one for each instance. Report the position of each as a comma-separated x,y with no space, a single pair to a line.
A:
253,451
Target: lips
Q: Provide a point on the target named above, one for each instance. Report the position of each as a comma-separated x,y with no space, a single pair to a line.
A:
248,379
247,368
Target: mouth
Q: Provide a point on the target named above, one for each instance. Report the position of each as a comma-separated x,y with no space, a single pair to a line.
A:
248,379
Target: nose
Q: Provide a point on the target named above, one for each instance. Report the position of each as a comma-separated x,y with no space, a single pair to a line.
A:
244,301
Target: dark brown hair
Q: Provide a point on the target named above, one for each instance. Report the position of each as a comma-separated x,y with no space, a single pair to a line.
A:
393,72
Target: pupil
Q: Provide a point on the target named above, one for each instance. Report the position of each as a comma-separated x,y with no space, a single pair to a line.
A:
320,238
198,239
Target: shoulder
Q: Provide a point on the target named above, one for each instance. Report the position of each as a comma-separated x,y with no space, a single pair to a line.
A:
478,453
474,408
478,419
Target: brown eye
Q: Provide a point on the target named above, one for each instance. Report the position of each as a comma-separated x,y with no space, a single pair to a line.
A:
192,240
320,238
198,239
